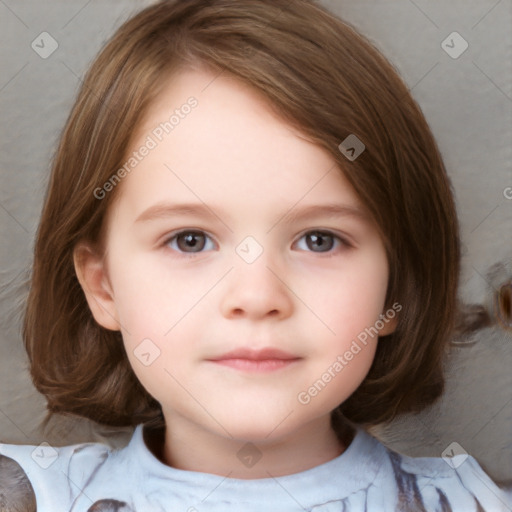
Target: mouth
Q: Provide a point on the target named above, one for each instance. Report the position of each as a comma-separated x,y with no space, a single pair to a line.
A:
250,360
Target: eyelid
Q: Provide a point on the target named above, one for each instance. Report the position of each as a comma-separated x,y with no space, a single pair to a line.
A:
327,231
169,237
342,239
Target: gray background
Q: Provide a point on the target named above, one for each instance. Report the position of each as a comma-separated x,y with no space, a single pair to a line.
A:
468,103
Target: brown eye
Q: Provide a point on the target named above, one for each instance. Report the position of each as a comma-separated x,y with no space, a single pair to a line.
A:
190,242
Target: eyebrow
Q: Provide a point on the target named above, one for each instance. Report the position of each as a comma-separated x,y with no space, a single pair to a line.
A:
166,210
326,210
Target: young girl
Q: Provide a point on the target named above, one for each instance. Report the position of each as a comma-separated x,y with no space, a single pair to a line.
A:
249,251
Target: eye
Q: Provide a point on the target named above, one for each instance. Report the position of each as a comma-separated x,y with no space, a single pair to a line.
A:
320,241
190,242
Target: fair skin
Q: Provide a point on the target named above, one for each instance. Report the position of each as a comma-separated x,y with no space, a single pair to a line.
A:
320,280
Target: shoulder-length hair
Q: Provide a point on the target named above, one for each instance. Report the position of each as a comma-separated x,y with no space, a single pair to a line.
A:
321,76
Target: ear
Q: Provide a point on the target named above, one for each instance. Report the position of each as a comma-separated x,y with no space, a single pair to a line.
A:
91,270
389,326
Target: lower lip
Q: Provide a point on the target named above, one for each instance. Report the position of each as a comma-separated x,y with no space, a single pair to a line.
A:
261,366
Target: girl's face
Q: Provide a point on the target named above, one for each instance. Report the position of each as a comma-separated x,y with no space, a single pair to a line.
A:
240,267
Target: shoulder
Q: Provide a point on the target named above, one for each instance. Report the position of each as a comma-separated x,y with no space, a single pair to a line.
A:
16,491
49,459
28,472
452,484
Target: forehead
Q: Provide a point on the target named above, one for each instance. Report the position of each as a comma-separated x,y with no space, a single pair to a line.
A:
230,147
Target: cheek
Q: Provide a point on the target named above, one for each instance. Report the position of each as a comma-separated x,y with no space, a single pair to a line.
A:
149,299
353,300
158,310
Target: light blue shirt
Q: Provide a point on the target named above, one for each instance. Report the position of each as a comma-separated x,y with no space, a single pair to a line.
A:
367,476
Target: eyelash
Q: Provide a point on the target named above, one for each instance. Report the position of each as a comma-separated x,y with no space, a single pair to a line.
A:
339,242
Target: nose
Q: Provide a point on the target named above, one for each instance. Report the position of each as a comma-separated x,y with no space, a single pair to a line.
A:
256,291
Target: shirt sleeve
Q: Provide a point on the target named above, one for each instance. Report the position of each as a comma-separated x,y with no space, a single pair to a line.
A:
56,476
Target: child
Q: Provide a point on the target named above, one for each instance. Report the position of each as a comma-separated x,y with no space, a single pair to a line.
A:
249,251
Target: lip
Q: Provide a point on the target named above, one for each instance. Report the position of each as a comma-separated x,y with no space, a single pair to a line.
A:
256,355
250,360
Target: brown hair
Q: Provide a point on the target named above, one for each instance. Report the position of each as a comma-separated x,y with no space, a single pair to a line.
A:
319,74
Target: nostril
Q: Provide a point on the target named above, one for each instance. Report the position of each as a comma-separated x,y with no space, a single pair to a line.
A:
503,305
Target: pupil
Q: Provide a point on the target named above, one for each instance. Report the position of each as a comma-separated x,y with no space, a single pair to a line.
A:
191,242
321,242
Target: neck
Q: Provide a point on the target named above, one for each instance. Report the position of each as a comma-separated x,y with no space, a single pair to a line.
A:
189,447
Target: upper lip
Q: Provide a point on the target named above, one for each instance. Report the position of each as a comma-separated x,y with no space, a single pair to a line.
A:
256,355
